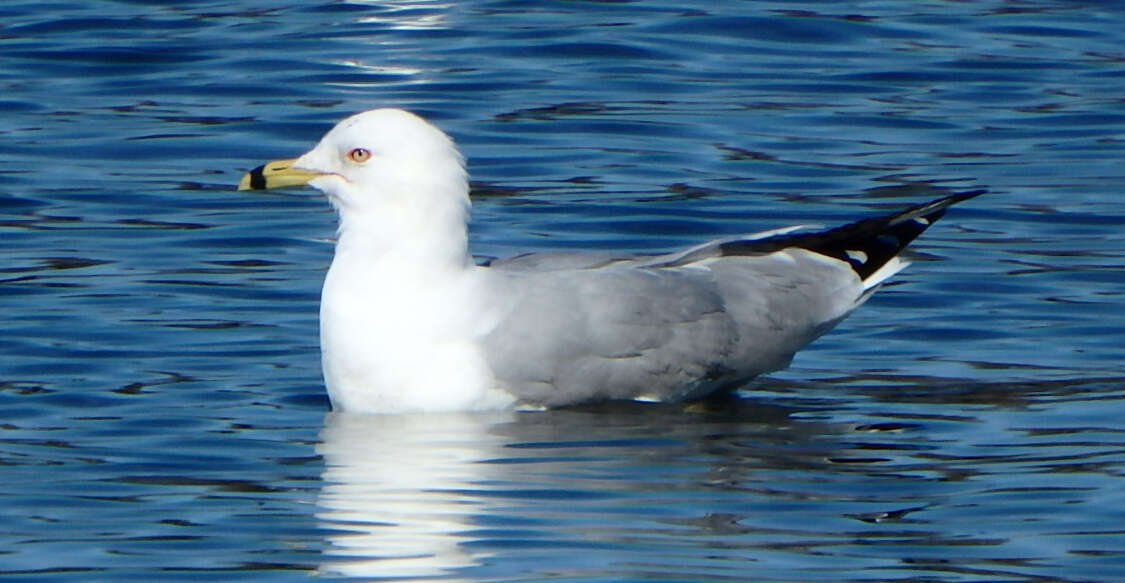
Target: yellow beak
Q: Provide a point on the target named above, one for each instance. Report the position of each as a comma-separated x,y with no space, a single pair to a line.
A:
277,174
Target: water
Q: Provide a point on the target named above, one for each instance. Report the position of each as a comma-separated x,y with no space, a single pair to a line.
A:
161,412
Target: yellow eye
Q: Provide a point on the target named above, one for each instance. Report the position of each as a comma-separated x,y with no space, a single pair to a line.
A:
359,155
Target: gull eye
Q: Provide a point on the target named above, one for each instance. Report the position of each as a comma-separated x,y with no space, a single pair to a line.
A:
359,155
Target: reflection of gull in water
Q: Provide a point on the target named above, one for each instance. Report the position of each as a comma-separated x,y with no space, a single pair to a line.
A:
394,491
472,496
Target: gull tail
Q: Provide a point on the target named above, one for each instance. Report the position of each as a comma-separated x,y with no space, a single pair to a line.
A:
870,246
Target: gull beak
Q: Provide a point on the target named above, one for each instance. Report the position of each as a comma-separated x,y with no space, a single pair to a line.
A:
277,174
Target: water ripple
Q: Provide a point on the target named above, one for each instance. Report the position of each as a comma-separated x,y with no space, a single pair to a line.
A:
161,408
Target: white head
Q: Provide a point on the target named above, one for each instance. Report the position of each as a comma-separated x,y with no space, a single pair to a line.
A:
397,182
386,158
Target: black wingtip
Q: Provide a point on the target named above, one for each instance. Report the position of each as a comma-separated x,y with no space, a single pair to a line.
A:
866,245
934,209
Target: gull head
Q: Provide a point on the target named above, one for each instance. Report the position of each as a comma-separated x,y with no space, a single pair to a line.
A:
372,161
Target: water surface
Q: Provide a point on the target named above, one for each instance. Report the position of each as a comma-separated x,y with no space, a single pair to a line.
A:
161,410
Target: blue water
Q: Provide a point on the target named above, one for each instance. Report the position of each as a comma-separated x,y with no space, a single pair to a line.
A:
161,410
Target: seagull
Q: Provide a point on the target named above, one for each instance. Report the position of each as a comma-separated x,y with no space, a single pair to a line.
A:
410,322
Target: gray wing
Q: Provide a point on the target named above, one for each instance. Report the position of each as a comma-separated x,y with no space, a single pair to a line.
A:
578,328
628,330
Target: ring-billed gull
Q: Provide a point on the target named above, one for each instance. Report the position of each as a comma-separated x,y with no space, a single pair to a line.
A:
409,322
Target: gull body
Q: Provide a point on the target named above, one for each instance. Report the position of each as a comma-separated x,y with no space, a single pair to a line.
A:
409,322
